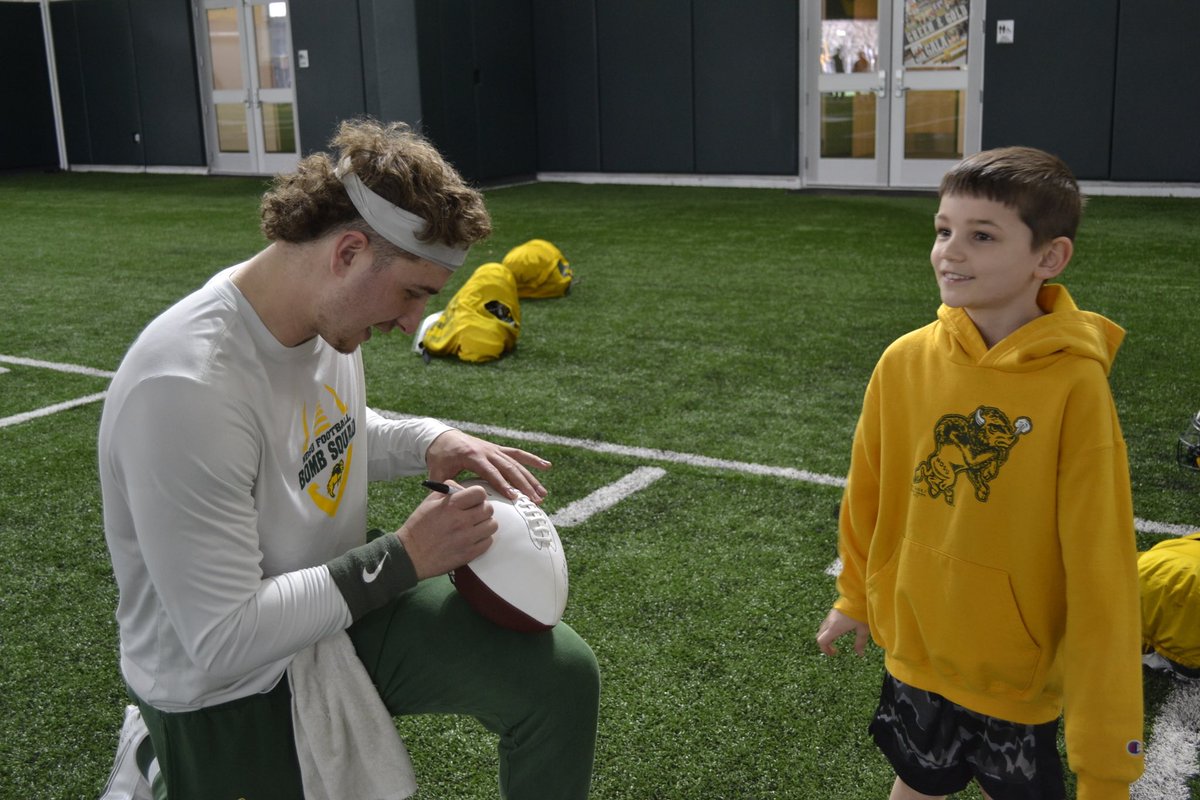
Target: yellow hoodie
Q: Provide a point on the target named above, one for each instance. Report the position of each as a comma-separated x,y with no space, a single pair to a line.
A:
987,530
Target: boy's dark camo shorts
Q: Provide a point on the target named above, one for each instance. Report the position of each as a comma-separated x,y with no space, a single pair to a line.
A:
937,747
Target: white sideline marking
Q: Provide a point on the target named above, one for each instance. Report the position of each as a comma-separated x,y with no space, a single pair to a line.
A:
17,419
606,497
639,452
75,368
1171,754
1146,526
802,475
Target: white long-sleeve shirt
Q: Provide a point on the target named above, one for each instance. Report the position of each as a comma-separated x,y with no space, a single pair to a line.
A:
232,469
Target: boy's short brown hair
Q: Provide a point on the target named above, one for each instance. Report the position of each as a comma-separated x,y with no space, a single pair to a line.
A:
1038,185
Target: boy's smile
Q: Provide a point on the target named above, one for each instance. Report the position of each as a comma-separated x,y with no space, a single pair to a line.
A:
985,263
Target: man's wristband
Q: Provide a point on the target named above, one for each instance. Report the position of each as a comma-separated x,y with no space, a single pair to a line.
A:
374,574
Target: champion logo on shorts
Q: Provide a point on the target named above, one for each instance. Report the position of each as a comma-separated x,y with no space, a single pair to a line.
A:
1134,747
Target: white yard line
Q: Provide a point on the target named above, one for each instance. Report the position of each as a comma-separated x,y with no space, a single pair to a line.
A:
690,459
46,411
1171,753
57,367
640,452
606,497
1146,526
17,419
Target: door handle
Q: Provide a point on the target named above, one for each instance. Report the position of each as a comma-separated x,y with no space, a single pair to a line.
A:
899,85
881,89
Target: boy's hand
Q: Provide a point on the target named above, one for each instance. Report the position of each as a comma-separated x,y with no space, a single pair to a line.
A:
837,624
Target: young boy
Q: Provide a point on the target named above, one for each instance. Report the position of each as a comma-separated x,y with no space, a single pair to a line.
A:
986,532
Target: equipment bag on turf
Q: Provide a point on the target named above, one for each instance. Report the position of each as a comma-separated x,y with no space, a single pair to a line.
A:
483,319
1169,578
539,269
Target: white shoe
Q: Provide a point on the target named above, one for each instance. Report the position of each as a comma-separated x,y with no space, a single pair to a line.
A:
1156,662
125,782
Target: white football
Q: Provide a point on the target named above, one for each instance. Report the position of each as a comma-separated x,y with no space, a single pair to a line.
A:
521,581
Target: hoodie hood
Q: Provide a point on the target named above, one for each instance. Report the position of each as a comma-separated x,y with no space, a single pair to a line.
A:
1063,330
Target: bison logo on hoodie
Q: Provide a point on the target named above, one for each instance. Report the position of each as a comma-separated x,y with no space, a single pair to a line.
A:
977,444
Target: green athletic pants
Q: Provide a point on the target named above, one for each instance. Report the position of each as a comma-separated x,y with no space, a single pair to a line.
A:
428,652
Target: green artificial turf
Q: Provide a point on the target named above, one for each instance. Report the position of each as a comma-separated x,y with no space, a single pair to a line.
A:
734,324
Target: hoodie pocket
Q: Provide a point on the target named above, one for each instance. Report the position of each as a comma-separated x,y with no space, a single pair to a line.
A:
957,617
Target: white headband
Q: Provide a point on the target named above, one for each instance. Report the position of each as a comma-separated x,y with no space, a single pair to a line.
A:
393,223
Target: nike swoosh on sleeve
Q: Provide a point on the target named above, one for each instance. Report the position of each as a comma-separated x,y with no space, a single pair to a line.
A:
370,576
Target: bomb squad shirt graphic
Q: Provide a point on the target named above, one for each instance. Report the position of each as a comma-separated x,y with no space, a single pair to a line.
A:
327,451
976,445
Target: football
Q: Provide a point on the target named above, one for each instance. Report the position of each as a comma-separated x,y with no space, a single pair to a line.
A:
521,581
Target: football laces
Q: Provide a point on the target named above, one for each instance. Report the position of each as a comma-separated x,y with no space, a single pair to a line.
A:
541,532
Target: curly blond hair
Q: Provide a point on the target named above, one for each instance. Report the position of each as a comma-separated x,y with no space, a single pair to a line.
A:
396,163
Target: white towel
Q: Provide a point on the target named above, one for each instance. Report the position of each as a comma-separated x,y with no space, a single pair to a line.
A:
346,739
126,781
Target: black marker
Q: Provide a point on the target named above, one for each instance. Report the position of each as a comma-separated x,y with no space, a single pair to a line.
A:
444,488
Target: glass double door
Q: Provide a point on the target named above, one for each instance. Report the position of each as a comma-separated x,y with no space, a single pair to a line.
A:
894,90
245,52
